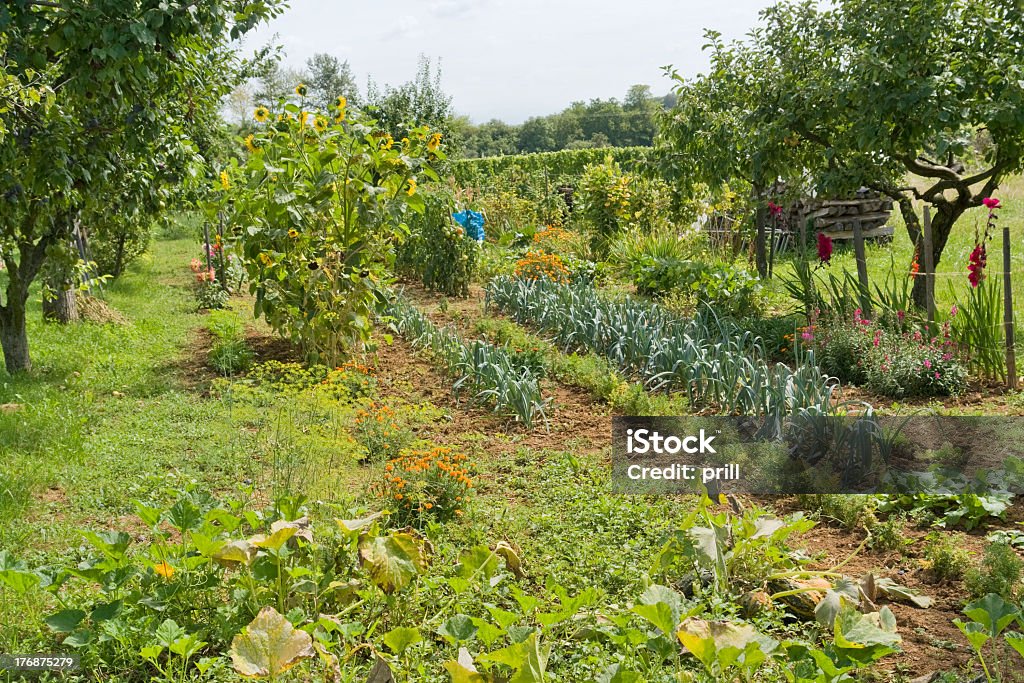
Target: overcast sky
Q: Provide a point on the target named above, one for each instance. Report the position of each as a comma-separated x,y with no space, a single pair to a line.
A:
512,59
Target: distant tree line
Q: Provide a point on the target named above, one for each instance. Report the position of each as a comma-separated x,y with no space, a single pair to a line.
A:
631,122
598,123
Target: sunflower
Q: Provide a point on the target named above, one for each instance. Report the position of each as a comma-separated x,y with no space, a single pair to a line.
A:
262,114
265,259
224,182
412,187
250,142
341,102
320,123
340,117
435,142
387,142
301,90
293,233
303,118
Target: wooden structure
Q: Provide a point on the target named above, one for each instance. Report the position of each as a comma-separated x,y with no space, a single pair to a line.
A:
837,217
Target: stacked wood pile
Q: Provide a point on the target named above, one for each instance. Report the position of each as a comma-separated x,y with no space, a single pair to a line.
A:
837,217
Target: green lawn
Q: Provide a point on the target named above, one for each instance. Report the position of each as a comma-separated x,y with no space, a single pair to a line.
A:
951,283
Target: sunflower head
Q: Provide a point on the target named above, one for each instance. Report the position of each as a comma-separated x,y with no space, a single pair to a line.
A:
224,181
301,90
320,124
262,114
341,102
434,142
387,142
340,116
412,187
293,233
250,143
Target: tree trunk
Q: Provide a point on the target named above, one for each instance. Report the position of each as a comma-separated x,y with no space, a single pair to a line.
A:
946,215
14,337
61,307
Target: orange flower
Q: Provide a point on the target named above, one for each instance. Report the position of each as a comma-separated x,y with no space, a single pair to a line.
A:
163,569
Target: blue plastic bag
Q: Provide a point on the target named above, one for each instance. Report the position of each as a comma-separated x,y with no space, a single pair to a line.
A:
472,222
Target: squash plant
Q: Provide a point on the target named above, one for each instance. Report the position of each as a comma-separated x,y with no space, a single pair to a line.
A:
317,207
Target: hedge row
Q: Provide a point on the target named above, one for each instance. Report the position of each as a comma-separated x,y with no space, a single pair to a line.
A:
567,163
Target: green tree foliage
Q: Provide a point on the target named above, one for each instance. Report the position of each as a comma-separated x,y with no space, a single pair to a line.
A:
421,101
132,83
582,125
866,93
327,78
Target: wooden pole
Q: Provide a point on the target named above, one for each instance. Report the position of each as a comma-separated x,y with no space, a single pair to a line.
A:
206,239
1011,359
862,269
929,269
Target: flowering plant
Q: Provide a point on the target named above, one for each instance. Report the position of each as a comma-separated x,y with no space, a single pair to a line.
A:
319,200
379,431
421,485
537,265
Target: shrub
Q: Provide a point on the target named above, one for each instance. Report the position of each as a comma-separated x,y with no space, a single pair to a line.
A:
897,364
379,431
1000,573
729,290
945,557
438,251
424,485
230,354
604,195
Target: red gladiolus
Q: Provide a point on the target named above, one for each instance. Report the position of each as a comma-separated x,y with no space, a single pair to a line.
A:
824,247
774,209
990,202
976,265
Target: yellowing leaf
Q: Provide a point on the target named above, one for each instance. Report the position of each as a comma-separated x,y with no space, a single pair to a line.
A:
512,561
268,646
235,552
392,561
275,540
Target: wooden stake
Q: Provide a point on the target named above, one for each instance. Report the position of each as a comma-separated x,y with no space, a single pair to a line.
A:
862,269
929,269
1011,359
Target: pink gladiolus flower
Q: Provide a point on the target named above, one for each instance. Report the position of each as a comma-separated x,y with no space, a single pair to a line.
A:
937,375
990,202
976,265
927,364
953,311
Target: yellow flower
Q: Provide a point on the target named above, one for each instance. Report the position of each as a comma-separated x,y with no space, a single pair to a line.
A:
320,124
340,117
262,114
250,142
387,142
434,143
293,233
300,90
224,182
163,569
341,102
412,187
265,259
303,118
